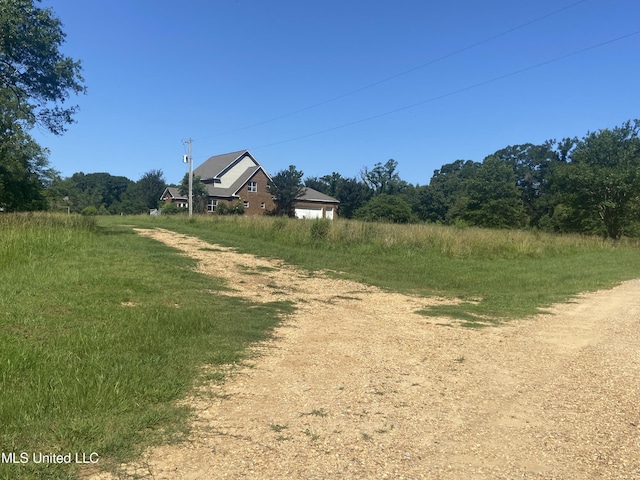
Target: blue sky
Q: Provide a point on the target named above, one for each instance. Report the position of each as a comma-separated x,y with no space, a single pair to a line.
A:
236,74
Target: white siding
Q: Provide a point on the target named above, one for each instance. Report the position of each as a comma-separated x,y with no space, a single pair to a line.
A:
236,172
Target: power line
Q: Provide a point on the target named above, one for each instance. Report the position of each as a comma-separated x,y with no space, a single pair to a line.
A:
400,74
454,92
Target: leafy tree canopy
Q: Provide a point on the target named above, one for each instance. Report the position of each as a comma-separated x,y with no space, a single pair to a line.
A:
198,190
385,208
492,197
150,186
286,187
35,77
24,173
383,179
103,191
448,185
602,179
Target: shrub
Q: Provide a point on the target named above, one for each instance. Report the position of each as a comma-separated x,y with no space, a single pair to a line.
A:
169,209
235,208
91,210
385,208
320,228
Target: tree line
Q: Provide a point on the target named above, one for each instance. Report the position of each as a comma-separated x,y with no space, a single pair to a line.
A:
103,193
586,185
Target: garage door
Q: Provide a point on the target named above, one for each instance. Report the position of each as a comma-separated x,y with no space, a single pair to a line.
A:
308,212
328,213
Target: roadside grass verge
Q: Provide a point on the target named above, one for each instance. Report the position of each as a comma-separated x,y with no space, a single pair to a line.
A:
102,331
496,274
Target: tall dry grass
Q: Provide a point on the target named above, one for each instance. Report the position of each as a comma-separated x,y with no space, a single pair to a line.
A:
454,242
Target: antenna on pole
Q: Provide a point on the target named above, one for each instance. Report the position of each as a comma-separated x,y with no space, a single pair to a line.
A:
189,158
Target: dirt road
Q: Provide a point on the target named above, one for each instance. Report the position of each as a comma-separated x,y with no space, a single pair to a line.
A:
356,385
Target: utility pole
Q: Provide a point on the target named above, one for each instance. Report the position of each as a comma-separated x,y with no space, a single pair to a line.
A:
188,158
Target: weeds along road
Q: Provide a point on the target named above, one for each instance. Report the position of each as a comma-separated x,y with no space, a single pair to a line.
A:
354,384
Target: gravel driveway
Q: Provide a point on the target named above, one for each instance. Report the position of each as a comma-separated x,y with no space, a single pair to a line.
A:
354,384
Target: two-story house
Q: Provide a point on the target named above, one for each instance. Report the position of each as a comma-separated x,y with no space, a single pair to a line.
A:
238,176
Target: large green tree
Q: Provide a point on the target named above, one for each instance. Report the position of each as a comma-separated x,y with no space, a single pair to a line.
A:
532,166
385,208
103,191
198,190
492,198
36,78
149,188
144,194
352,195
481,194
36,81
286,187
383,179
24,173
447,187
600,185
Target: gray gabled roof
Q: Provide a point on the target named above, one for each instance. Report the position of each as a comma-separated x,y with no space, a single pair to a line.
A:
214,167
174,193
311,195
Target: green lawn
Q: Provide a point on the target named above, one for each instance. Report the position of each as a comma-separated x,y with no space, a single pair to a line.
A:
101,332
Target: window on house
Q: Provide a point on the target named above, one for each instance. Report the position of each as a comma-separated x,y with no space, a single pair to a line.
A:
211,205
246,204
263,205
252,187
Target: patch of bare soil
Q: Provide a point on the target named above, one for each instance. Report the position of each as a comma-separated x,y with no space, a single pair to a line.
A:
354,384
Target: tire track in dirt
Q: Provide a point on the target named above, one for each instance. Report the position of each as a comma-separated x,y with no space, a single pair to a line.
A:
354,384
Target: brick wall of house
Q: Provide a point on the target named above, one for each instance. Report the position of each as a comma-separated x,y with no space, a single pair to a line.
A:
256,199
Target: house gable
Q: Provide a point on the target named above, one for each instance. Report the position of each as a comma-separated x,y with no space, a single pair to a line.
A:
172,194
226,168
255,193
226,175
214,166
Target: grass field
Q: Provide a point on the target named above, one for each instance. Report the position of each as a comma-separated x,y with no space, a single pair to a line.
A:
103,330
